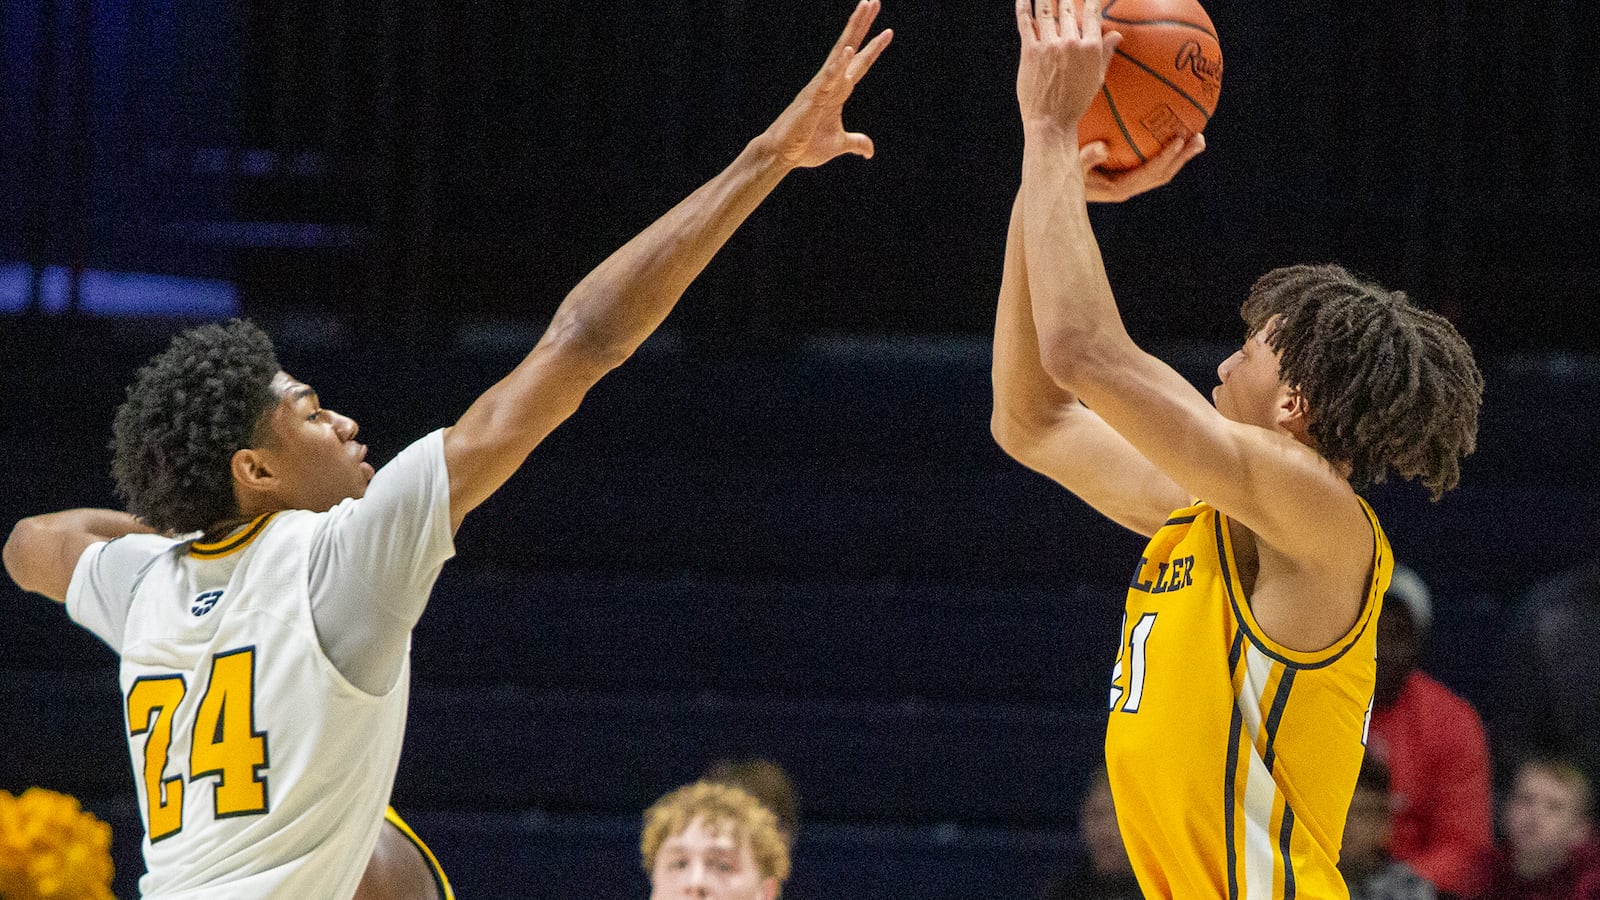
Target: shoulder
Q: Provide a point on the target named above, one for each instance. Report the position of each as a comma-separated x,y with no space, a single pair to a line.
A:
131,554
424,452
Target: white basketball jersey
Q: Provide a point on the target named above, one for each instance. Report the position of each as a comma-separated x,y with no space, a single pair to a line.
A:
261,770
230,701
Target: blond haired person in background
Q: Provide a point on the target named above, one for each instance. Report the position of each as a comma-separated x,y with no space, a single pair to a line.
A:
713,841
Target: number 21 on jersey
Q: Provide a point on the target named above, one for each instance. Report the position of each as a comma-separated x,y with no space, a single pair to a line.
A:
1132,656
223,742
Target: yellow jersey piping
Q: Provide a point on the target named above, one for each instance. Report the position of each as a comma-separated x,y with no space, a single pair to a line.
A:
234,544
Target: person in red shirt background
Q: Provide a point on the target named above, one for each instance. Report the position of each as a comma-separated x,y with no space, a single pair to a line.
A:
1434,743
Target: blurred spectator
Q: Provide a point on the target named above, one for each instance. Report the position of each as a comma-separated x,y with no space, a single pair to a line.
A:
1364,861
766,781
1550,655
51,848
1549,850
1103,872
715,842
1435,747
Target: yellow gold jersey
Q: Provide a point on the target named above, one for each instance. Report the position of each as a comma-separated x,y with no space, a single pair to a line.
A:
1232,758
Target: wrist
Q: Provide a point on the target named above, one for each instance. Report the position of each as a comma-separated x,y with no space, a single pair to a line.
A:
1050,130
762,154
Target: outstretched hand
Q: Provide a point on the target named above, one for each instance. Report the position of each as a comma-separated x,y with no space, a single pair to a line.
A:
811,131
1064,59
1101,186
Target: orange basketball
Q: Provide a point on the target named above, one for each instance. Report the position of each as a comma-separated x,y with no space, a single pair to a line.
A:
1161,85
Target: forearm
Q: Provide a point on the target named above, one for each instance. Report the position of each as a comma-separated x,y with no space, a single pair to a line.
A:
101,524
1025,398
42,550
620,303
1073,309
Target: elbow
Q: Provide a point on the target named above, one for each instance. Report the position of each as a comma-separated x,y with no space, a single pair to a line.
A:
1004,431
1076,365
1063,362
23,534
586,344
1016,435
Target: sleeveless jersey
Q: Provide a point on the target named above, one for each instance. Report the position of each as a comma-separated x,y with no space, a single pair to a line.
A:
230,701
1232,758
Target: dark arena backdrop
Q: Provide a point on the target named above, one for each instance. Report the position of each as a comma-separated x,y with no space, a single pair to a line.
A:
782,530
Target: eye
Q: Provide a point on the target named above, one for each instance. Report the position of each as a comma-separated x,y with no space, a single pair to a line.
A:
314,416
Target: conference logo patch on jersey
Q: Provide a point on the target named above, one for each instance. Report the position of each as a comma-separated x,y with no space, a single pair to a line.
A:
203,603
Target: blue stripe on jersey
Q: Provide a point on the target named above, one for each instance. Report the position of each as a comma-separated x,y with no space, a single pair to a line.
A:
1279,703
1235,729
1283,850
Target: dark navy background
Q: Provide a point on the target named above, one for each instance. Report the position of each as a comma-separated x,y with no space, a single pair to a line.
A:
782,529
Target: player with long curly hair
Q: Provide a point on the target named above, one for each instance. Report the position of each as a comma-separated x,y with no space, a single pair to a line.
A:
1244,680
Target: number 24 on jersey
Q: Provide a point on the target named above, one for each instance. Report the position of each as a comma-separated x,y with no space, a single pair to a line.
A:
223,742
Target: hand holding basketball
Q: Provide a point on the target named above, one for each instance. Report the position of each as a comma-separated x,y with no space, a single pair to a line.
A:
1162,83
1104,185
1064,59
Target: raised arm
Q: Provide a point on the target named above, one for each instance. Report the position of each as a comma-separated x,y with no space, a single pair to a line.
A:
1043,426
611,312
43,550
1293,500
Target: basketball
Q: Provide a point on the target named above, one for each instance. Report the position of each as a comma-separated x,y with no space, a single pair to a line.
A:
1162,83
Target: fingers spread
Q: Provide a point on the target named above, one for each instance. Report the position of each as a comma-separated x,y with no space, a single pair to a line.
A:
859,144
1108,45
855,29
1047,19
1067,19
863,61
1025,25
1091,20
830,86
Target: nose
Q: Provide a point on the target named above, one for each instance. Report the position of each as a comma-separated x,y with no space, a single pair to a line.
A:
698,881
344,426
1227,365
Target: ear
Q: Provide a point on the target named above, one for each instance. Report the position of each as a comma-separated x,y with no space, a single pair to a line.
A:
769,888
251,471
1294,413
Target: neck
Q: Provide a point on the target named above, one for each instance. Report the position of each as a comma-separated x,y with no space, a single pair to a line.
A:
221,529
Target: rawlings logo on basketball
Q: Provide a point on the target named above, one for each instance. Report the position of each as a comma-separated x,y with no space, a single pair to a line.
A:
1161,85
202,603
1191,57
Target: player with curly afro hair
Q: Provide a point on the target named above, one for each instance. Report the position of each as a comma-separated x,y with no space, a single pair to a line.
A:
262,593
187,412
